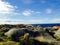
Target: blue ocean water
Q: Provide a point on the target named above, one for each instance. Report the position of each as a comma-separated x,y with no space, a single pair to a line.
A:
47,25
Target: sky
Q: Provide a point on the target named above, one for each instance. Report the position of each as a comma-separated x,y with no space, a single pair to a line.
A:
29,11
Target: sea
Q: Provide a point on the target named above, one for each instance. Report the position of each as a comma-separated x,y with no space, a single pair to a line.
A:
47,25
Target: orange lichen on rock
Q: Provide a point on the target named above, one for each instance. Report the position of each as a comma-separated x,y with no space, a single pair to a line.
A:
56,27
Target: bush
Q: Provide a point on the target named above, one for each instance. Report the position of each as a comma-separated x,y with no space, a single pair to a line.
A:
1,39
1,34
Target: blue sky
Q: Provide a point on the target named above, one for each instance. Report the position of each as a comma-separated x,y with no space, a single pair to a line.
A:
29,11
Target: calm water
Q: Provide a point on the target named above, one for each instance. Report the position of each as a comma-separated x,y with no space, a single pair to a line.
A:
46,25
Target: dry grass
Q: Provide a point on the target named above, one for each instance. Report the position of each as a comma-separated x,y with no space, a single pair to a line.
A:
24,37
40,38
9,43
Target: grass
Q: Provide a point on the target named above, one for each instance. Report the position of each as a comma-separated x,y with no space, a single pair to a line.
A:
10,43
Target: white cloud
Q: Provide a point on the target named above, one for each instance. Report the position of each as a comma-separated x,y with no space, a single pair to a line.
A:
48,11
30,12
57,20
11,21
37,21
6,8
31,21
3,20
27,12
16,22
42,21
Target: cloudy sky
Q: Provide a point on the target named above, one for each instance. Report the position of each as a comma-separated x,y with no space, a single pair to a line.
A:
29,11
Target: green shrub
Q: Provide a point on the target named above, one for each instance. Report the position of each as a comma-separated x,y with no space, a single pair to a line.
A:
1,39
1,33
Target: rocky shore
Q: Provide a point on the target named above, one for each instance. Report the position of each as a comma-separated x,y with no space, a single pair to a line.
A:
27,34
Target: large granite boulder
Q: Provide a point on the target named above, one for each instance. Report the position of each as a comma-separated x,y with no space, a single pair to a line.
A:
16,32
20,32
57,34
